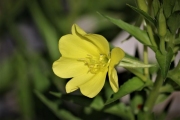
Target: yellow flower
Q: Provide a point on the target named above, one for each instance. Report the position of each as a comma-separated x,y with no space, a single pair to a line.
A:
86,58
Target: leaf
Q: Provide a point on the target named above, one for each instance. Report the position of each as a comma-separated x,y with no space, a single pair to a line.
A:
168,6
77,99
164,61
139,34
156,6
144,14
175,76
120,110
131,85
60,113
173,22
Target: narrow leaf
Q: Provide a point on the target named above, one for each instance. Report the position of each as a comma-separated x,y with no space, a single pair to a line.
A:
60,113
164,61
120,110
131,85
139,34
173,22
144,14
175,76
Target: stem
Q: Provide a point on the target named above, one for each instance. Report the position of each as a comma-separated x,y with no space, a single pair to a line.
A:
162,45
153,96
150,33
145,55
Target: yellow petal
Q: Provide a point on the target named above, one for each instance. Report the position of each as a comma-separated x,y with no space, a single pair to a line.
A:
97,40
75,82
116,55
77,30
92,87
67,68
113,79
72,46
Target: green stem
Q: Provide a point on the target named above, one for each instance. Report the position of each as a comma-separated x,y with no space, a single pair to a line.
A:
145,55
153,96
162,45
150,33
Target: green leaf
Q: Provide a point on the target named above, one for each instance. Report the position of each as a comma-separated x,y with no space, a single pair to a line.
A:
137,102
139,34
144,14
97,103
175,76
161,98
77,99
60,113
156,7
168,7
131,85
120,110
173,22
164,61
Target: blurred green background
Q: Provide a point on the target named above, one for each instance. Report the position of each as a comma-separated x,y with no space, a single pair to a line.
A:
29,34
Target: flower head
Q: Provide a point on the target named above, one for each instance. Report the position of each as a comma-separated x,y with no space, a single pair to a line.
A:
86,58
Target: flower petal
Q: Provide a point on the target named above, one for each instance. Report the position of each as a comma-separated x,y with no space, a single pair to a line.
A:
92,87
75,82
72,46
113,79
97,40
116,55
76,29
67,68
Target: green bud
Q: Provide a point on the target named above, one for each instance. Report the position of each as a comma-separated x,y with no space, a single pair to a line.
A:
161,23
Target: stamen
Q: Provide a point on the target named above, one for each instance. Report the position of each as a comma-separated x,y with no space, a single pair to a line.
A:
96,64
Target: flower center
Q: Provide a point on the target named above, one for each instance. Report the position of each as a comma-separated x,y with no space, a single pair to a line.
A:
96,64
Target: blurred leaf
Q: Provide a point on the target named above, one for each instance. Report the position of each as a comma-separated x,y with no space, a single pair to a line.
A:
156,7
47,31
176,6
6,74
139,34
131,85
60,113
77,99
175,76
164,61
56,94
144,14
137,103
173,22
161,98
168,7
120,110
97,103
40,80
24,88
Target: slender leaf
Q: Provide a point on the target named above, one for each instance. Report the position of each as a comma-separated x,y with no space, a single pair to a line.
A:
60,113
120,110
174,22
168,7
175,76
144,14
139,34
164,61
131,85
